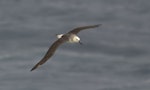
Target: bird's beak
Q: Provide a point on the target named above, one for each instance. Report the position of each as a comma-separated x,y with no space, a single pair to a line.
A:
80,43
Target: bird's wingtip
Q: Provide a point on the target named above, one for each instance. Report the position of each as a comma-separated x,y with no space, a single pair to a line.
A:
98,25
34,67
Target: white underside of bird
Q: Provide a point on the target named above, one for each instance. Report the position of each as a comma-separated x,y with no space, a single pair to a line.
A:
72,39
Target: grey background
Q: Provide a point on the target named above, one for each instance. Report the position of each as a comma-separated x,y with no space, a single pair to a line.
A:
114,56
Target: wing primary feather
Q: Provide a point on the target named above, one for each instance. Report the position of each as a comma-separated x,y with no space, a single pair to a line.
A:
78,29
50,52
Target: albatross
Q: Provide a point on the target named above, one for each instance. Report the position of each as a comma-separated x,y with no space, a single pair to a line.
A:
70,37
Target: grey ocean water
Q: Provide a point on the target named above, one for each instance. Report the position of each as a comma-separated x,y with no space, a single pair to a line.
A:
115,56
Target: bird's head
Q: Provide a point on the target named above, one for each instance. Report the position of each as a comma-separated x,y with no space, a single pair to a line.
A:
76,39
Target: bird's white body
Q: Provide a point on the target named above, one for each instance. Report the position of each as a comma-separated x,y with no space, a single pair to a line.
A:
72,39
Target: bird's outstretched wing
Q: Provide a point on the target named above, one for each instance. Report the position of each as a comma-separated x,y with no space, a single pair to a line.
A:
50,51
78,29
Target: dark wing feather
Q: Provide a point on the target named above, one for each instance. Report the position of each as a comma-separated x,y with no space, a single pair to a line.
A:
78,29
50,52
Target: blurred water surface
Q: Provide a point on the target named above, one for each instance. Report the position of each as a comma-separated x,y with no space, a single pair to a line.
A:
114,56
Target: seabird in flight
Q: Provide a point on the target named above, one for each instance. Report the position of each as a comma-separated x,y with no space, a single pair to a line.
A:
70,37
